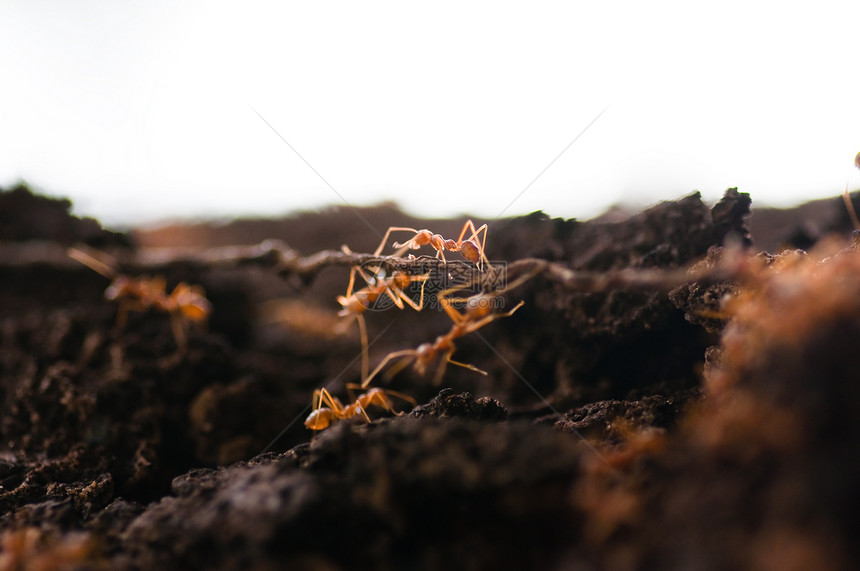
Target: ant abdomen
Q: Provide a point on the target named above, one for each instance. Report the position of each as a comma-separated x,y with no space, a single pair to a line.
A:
470,251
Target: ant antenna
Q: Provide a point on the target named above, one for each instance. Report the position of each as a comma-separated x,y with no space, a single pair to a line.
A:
94,260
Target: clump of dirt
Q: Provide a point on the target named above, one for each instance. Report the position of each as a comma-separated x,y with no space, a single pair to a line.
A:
27,216
621,344
594,440
447,404
615,420
399,493
757,476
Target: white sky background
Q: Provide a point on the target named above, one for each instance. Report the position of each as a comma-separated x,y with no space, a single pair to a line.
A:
147,110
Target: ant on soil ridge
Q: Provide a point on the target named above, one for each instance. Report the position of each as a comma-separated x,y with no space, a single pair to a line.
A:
186,304
326,407
356,303
471,248
323,416
477,312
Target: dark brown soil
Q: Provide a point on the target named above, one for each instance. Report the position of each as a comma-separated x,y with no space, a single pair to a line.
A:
600,438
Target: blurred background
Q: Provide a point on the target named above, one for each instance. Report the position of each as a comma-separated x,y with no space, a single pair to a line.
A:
161,110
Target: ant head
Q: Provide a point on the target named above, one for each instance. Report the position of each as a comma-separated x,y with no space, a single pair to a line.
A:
122,286
470,251
356,303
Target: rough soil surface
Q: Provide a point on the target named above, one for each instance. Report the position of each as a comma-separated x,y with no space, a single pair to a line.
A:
694,423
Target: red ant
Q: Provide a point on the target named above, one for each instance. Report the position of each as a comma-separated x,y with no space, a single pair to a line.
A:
356,303
186,303
476,315
470,248
323,416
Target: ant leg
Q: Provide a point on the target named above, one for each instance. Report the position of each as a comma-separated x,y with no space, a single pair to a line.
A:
405,298
122,314
448,359
397,368
445,293
519,281
321,417
363,412
128,305
179,331
351,285
440,371
365,357
352,387
379,397
463,231
474,236
385,361
490,318
331,402
441,254
452,312
437,378
357,270
316,400
423,285
89,259
352,271
388,232
467,366
403,397
483,246
373,284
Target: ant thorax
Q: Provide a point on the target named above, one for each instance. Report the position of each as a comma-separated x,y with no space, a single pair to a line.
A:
435,240
424,237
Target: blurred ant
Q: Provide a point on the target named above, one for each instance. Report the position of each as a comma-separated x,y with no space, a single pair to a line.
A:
355,303
328,408
185,304
470,248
